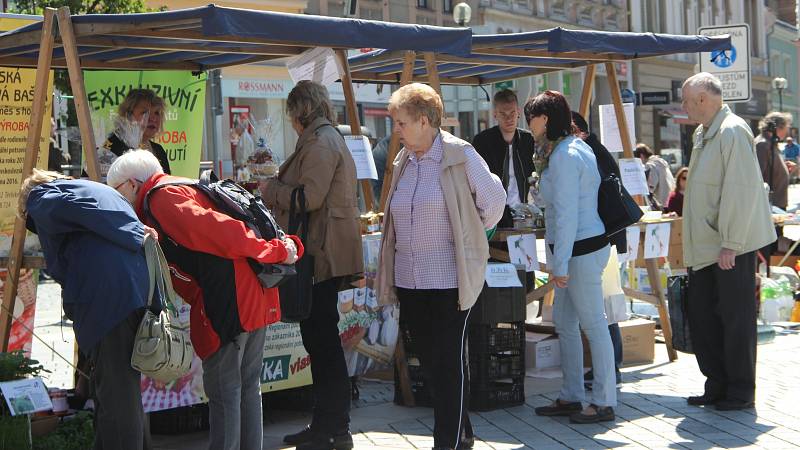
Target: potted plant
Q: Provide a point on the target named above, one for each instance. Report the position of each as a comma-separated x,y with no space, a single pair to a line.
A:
15,431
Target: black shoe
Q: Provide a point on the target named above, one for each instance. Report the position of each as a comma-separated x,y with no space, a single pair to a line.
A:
321,441
298,438
701,400
605,414
559,408
733,405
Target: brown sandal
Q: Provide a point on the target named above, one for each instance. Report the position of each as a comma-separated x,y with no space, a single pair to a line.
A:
559,408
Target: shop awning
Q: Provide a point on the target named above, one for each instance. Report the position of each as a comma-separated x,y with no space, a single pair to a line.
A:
212,36
502,57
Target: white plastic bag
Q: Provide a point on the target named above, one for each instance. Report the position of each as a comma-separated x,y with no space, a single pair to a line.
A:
613,296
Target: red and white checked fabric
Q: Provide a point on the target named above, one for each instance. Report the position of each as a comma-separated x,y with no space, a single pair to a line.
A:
425,255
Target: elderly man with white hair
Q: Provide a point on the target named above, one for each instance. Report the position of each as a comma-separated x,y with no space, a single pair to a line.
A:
209,254
726,220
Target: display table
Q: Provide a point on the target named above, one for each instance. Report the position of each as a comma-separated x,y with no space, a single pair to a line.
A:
657,297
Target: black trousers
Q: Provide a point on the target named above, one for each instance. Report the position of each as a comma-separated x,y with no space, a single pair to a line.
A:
439,330
320,334
120,422
722,322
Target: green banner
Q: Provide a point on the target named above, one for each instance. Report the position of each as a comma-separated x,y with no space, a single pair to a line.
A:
184,95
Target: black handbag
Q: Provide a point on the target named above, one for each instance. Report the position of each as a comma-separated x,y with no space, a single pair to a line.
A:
678,303
295,292
615,205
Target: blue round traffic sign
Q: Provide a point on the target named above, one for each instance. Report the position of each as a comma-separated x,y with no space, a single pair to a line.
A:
724,58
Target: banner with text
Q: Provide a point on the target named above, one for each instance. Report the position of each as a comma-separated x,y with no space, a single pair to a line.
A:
185,98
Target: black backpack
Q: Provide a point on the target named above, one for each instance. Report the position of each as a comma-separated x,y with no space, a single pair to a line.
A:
240,204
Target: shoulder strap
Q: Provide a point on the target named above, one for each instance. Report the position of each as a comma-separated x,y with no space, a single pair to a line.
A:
146,202
158,272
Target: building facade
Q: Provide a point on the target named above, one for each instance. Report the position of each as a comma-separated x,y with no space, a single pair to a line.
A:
472,106
665,127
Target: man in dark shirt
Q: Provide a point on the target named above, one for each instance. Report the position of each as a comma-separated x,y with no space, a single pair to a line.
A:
508,150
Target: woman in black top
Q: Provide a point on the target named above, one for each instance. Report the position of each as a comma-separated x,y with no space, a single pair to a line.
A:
140,119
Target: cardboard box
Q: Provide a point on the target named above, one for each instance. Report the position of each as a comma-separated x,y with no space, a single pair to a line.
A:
638,343
541,351
638,340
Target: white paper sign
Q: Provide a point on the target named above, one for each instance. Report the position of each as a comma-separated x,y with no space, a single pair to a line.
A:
361,150
317,64
632,172
656,240
502,275
522,251
609,130
26,396
632,237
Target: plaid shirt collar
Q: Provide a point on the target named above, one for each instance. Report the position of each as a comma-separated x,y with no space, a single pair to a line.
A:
435,152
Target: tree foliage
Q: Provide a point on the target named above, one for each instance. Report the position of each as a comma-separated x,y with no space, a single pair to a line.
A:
80,7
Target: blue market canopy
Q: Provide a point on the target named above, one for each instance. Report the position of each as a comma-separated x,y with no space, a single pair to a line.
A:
502,57
212,36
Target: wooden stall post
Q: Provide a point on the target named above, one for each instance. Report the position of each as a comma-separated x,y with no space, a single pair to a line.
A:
40,96
78,92
352,114
586,95
394,144
433,73
653,272
622,121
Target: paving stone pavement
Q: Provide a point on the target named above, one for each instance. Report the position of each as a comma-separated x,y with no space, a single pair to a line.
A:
652,411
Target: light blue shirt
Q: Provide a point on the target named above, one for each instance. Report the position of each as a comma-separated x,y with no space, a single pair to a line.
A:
568,187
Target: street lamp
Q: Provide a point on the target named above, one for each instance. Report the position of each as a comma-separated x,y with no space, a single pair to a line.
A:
780,84
462,13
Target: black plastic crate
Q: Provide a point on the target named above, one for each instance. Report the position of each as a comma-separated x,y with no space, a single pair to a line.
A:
497,394
507,304
419,389
497,337
493,366
294,399
186,419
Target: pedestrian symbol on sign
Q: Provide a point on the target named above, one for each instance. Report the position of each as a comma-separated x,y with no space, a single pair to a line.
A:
721,58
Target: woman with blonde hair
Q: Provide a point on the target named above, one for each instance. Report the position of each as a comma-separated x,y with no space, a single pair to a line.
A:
92,244
323,166
140,117
434,252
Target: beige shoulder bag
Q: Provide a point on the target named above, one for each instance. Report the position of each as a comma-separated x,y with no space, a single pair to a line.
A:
161,350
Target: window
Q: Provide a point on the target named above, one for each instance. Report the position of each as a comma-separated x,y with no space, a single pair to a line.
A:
447,6
422,4
558,9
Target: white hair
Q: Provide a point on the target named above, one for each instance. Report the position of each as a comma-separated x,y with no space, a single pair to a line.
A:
705,81
133,165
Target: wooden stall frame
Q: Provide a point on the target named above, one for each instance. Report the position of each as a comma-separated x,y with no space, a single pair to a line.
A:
352,115
72,58
40,96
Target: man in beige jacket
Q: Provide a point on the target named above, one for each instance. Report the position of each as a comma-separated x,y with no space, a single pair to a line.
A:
726,220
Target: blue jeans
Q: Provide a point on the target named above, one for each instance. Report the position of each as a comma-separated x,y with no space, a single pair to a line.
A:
580,306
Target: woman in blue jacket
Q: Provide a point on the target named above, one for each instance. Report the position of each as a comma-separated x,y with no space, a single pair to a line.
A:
92,243
569,181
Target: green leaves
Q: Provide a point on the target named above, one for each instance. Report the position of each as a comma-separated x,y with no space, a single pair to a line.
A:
15,365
